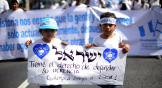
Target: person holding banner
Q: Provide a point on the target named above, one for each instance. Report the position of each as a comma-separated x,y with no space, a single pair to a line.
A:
14,6
108,38
48,28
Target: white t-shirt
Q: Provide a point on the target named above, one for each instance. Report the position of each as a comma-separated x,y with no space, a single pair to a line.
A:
16,10
3,5
112,42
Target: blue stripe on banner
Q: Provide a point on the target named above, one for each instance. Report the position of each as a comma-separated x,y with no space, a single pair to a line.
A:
150,26
142,31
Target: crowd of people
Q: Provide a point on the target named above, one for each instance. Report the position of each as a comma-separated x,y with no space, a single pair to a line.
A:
114,4
108,4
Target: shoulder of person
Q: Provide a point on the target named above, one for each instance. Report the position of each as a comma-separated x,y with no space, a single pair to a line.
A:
97,37
118,35
37,41
19,9
57,39
34,42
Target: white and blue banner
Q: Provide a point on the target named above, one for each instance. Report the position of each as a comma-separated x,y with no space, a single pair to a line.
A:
141,29
55,65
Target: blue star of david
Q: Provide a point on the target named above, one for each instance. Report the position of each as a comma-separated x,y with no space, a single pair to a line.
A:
109,53
41,48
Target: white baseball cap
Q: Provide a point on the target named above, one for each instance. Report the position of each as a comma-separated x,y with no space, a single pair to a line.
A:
48,23
63,1
16,1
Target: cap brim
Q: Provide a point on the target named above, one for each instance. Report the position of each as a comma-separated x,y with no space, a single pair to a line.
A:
48,27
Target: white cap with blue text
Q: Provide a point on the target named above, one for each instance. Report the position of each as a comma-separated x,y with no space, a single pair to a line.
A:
48,23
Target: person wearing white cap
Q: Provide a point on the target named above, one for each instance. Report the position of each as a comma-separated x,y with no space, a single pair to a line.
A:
48,28
14,6
4,7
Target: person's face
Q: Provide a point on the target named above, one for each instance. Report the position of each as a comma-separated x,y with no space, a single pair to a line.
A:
107,29
14,5
48,34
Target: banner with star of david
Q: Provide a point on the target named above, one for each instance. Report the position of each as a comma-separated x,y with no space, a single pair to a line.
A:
51,65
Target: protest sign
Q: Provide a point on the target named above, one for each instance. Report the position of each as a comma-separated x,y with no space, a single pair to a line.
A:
52,65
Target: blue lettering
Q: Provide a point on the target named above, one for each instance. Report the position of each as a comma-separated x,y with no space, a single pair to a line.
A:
71,30
13,34
60,19
25,22
7,47
90,29
77,41
30,33
21,47
70,18
126,21
8,23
